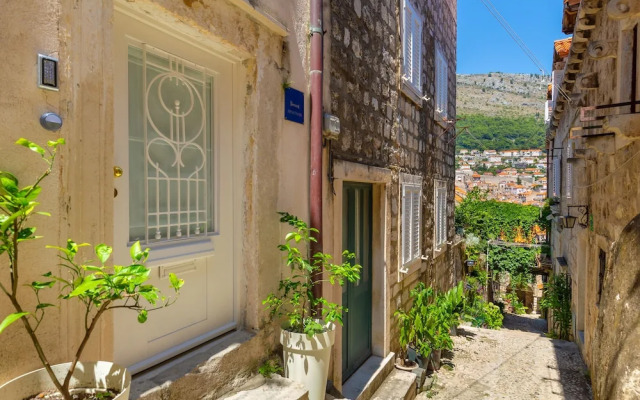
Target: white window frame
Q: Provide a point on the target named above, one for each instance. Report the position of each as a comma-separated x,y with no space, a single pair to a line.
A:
411,220
412,47
442,84
440,214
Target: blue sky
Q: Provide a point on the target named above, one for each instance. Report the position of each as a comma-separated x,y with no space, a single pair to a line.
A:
484,46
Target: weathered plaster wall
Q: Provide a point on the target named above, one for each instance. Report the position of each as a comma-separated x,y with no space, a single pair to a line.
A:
78,193
382,127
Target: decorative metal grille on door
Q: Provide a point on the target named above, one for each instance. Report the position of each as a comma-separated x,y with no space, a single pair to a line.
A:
170,147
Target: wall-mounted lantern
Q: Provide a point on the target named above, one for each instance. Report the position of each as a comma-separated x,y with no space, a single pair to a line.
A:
569,221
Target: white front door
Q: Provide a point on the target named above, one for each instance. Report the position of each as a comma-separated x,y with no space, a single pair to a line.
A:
173,138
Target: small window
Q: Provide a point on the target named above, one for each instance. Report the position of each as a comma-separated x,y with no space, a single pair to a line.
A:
441,213
411,206
412,46
442,84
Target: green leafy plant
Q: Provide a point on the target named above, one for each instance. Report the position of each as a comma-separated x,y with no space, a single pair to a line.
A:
492,316
295,299
557,299
516,304
270,367
98,287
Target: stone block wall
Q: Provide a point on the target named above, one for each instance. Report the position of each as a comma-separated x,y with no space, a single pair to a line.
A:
383,127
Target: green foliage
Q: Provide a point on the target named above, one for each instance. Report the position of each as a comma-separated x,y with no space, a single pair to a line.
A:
514,301
96,286
295,299
270,367
501,133
493,316
426,325
517,261
557,298
477,311
491,219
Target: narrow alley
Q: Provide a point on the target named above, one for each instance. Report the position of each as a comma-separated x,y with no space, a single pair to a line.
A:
516,362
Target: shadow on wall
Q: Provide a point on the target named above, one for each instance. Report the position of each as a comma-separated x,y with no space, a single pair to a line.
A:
616,365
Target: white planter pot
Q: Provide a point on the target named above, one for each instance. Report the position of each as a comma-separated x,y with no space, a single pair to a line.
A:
98,374
306,359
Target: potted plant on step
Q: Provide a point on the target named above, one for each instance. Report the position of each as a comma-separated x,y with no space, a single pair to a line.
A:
416,329
306,337
97,287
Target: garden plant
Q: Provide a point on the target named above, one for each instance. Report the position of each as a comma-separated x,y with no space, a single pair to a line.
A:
95,285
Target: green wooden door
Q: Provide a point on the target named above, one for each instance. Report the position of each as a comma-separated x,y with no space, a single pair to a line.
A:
356,237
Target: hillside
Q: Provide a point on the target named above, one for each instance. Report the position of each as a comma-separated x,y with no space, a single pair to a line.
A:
500,94
501,111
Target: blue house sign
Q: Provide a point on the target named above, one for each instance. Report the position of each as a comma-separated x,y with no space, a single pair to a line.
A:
294,105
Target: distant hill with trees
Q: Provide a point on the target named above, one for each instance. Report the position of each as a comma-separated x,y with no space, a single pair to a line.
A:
502,111
500,133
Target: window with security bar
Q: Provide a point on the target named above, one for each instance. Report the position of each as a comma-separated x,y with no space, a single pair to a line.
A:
569,171
440,213
171,188
412,46
411,210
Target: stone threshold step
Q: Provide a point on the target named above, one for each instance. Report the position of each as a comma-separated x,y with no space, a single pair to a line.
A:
399,385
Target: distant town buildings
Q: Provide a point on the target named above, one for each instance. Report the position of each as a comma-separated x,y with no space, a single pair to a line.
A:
516,176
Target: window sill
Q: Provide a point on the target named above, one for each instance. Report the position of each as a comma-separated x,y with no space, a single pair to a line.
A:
410,92
409,268
438,251
178,250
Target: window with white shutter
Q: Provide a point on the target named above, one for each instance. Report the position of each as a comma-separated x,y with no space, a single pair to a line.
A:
411,46
411,206
440,213
556,174
442,84
569,186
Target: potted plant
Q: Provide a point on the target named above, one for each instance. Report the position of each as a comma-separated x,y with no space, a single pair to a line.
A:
96,286
307,336
454,304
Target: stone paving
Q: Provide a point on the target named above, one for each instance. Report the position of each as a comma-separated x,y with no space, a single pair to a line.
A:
517,362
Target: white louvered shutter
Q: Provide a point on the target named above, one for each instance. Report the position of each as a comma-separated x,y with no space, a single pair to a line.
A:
407,39
416,59
415,223
556,174
569,186
406,224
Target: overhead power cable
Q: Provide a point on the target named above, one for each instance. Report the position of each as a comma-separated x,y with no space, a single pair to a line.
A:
492,9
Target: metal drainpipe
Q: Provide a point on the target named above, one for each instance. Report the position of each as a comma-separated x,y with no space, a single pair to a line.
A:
315,173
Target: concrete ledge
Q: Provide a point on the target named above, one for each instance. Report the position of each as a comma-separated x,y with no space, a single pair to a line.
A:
260,388
399,385
208,371
368,378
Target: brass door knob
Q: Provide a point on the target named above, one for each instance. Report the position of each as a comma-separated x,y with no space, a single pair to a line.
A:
117,172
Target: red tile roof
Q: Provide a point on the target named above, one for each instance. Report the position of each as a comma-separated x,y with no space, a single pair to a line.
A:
562,47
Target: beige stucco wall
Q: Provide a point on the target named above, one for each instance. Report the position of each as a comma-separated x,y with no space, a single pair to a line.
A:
271,43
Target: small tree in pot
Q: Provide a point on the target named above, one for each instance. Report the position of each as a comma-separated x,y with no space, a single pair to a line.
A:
98,287
307,338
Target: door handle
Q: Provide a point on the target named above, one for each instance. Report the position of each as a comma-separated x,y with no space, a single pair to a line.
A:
117,172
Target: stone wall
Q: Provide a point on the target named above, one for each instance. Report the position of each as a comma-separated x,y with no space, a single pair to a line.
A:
383,127
606,179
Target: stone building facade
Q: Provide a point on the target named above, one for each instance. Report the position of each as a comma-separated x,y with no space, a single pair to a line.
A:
594,164
392,134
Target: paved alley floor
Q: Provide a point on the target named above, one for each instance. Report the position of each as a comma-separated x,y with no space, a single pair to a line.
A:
517,362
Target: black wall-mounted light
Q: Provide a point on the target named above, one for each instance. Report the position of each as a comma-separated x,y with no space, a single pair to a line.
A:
569,220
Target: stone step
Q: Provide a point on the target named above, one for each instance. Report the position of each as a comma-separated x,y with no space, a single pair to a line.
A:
399,385
277,387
